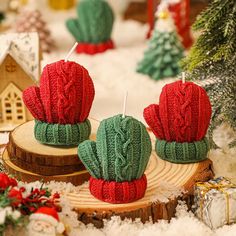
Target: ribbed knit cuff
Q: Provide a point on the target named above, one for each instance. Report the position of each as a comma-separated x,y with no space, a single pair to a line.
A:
58,134
93,48
182,152
118,192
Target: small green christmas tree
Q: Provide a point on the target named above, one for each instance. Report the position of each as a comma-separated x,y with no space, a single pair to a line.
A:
162,57
212,61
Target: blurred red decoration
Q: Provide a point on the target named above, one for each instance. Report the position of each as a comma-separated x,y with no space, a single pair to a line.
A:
6,182
181,15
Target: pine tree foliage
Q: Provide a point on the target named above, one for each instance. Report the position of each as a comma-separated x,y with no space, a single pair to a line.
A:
220,83
217,41
212,61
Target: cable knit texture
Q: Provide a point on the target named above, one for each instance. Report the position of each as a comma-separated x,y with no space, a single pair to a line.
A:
120,154
64,97
182,116
93,26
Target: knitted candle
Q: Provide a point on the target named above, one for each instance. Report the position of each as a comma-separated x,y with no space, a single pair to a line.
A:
180,122
117,160
61,104
92,29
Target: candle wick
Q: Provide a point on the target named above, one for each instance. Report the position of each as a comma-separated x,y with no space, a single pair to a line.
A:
183,77
125,102
70,52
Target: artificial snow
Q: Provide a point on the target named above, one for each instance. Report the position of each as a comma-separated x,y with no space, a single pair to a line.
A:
113,73
184,224
165,191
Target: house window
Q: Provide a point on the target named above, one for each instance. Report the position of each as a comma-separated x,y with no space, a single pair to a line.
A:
12,108
10,67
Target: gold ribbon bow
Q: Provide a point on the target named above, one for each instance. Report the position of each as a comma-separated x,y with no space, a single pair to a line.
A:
217,186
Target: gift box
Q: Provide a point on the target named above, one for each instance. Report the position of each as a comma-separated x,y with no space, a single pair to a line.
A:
215,202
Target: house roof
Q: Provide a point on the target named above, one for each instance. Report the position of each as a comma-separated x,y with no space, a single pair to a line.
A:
24,48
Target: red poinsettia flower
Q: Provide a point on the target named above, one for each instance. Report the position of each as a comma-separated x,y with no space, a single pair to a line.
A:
16,196
32,209
56,195
6,181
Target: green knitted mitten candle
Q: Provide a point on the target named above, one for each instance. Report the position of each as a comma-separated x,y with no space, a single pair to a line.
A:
119,155
92,29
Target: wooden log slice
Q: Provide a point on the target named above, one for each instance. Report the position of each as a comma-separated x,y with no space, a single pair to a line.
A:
75,178
27,153
47,170
178,176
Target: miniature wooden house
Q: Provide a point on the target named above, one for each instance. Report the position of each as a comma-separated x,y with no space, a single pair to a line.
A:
20,58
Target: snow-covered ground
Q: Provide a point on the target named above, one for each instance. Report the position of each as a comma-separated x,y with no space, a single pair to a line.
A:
113,73
184,224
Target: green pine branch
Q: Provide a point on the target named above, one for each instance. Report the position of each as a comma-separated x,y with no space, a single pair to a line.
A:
219,81
212,62
217,41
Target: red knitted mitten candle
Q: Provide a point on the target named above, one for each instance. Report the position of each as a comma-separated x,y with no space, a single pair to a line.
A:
61,104
180,122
